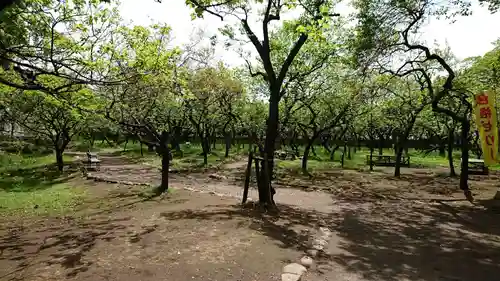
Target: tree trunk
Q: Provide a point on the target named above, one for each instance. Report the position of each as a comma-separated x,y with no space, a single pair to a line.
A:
325,144
176,145
295,149
165,164
450,153
397,167
266,198
332,153
343,154
142,153
371,158
441,149
464,169
176,139
305,157
248,173
349,153
108,142
205,148
267,174
227,138
313,150
59,159
125,146
164,152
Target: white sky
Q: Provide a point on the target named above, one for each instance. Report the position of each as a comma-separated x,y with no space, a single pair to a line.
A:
468,36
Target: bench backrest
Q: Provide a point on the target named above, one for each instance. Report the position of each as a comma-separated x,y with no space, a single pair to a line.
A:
91,156
388,157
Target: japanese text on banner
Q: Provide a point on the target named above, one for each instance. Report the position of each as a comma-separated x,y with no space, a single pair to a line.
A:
486,121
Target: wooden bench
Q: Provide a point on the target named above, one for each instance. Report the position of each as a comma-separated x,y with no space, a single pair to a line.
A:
476,167
387,160
93,162
284,155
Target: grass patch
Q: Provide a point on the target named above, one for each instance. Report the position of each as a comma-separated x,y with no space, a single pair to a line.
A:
191,157
321,161
31,184
25,173
15,161
10,161
54,200
83,146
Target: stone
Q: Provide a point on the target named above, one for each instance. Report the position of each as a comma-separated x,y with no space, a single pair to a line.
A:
312,252
317,247
290,277
319,243
325,231
134,239
306,261
294,268
49,242
217,177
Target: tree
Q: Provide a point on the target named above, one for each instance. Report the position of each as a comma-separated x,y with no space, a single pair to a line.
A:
323,104
43,40
209,104
315,17
441,130
47,118
151,105
386,31
405,101
483,74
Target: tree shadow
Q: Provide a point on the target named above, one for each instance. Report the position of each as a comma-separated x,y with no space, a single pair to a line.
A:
37,177
65,246
290,227
409,241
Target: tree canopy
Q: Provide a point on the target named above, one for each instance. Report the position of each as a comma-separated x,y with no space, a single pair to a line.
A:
73,68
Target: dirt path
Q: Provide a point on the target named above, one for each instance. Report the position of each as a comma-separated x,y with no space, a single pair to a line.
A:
239,163
120,169
411,240
199,236
183,236
119,235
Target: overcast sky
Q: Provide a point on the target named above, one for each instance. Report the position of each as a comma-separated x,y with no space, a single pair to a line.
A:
468,36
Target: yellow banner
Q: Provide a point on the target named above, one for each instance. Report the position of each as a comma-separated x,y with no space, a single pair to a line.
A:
486,120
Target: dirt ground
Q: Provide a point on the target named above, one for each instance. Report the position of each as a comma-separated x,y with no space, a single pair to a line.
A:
411,240
183,236
414,228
